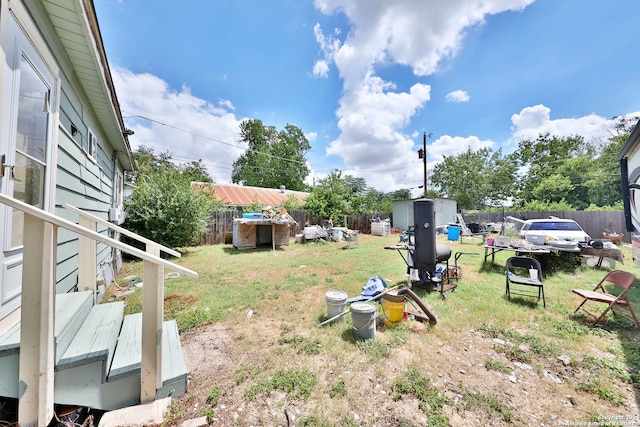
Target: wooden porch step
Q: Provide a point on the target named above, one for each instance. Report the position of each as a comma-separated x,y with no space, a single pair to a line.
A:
99,352
129,352
71,310
96,339
82,384
128,355
174,370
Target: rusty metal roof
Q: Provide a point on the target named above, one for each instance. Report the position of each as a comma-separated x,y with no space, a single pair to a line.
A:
239,195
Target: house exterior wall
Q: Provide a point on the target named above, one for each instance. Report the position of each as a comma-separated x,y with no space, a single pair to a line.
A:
446,210
86,185
84,181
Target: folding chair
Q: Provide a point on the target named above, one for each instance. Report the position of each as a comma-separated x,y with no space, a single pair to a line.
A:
623,281
522,265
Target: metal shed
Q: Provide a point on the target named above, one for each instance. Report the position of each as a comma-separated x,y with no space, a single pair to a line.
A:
446,210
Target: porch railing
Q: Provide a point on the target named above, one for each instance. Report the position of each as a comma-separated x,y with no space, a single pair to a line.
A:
36,371
87,271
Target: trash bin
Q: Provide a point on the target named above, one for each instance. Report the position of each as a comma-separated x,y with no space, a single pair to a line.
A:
453,233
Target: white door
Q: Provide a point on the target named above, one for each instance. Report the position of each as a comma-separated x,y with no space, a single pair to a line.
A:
25,151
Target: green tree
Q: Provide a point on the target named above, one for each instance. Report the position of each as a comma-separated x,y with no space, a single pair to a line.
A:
605,184
541,160
329,198
272,158
336,196
540,206
164,207
475,178
356,185
577,171
403,193
582,175
149,161
195,171
552,189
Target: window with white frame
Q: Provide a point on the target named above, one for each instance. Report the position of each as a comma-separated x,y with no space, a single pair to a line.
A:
92,145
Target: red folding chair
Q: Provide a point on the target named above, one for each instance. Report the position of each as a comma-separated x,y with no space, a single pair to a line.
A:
623,281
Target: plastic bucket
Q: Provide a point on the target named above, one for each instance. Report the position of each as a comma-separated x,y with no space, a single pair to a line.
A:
453,232
336,304
392,309
363,316
489,241
299,238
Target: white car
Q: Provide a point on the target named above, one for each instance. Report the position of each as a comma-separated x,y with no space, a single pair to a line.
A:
554,232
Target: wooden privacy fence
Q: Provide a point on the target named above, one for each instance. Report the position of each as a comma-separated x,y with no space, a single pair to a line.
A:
221,228
593,222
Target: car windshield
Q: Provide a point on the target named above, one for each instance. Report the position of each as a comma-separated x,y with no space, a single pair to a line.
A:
555,226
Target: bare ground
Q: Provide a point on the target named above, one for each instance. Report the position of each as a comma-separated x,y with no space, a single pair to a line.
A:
540,394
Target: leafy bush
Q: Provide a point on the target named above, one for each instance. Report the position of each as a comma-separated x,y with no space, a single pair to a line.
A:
541,206
165,209
617,207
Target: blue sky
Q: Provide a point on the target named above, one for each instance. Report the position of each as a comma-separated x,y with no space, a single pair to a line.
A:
364,80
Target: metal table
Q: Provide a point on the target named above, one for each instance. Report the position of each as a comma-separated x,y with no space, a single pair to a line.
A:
490,251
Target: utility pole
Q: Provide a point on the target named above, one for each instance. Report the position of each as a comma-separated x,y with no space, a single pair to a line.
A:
422,154
424,161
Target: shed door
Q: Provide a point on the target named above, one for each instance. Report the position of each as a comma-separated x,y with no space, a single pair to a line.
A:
25,147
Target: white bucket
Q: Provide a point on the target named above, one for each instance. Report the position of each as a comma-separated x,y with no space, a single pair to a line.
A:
299,238
363,316
336,304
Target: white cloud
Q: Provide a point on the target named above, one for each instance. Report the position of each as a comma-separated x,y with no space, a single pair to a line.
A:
189,127
329,45
227,104
457,96
370,122
416,33
448,146
536,120
321,68
413,33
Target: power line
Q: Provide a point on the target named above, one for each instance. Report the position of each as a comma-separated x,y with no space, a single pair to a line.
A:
384,168
223,142
182,130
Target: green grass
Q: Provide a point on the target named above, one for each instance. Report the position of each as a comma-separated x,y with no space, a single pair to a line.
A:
295,383
213,398
303,345
234,280
603,389
286,289
339,389
495,365
492,406
324,421
430,399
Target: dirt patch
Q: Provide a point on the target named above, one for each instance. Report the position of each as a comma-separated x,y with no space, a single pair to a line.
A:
539,393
